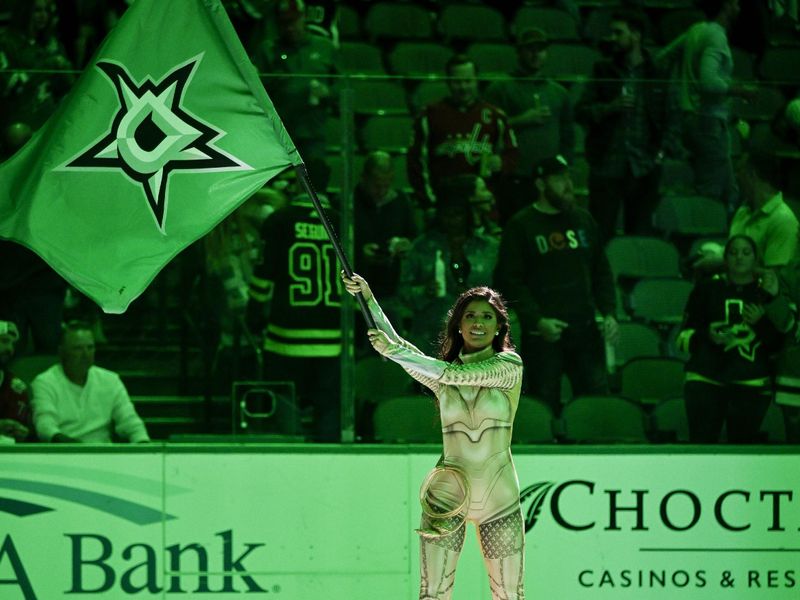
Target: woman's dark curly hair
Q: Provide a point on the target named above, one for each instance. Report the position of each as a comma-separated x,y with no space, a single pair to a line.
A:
450,339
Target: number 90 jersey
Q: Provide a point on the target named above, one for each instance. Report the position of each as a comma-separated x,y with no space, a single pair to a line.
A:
301,274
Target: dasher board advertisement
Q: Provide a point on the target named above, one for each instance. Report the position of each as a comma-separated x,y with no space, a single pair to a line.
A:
208,523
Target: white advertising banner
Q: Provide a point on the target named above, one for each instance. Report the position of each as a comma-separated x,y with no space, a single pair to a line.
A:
340,526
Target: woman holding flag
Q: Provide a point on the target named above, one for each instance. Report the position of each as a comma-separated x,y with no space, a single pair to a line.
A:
476,382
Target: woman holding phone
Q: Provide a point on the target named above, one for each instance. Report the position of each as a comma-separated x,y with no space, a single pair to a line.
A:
729,344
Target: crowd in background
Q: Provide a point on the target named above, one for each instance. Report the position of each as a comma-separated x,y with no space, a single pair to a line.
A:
486,191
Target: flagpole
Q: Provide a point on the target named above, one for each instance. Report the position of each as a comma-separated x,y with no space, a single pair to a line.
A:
302,175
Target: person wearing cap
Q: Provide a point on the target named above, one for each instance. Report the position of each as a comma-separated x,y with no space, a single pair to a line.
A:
75,401
539,110
624,110
458,135
553,270
15,414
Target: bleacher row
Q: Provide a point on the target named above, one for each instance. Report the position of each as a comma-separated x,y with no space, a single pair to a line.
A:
646,371
648,408
407,39
393,54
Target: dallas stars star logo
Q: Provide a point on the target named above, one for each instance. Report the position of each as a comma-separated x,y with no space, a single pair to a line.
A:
153,134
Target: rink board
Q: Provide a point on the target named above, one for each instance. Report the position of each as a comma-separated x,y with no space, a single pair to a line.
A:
337,523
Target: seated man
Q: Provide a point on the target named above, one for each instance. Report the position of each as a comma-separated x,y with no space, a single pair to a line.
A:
75,401
15,415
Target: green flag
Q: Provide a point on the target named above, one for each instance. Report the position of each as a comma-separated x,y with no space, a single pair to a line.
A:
165,133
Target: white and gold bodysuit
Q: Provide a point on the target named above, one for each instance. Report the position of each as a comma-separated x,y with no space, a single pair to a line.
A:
478,395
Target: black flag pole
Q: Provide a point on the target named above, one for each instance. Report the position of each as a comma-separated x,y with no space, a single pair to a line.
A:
302,175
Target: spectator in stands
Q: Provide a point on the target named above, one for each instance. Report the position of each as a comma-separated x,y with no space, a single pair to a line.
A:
624,110
301,88
553,270
448,259
763,216
384,225
459,134
31,50
232,250
705,85
729,344
786,123
784,290
77,401
539,110
481,201
15,414
295,298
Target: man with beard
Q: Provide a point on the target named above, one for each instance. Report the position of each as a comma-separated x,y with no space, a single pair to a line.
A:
459,135
553,270
624,111
539,110
15,416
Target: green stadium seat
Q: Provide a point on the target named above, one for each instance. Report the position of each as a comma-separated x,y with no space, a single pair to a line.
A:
533,423
419,59
396,20
407,420
472,22
603,420
659,300
558,24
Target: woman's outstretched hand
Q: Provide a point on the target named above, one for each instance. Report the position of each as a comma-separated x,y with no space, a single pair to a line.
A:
356,284
379,340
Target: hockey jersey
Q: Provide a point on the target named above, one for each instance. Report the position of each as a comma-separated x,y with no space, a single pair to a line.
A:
299,279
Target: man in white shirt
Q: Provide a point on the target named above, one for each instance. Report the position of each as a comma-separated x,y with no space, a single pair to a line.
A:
76,401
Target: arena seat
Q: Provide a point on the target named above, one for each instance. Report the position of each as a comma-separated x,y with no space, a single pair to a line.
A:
407,420
659,300
398,20
472,22
389,133
669,421
558,24
636,340
419,59
690,215
636,256
651,380
604,419
379,97
360,57
493,59
533,423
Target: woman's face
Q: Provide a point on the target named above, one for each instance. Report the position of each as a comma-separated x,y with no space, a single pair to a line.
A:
478,325
740,258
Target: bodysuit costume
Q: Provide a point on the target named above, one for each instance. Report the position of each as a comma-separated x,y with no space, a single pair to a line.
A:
478,395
